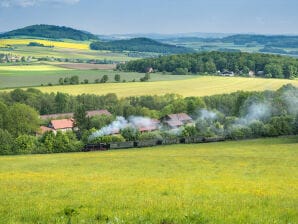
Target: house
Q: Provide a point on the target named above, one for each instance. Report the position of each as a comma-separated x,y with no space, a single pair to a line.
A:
149,70
177,120
93,113
62,125
152,126
90,113
56,116
44,129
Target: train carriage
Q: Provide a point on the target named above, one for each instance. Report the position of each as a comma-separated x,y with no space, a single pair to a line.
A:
121,145
146,143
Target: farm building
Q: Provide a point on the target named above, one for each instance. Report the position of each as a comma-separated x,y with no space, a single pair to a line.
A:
153,126
90,113
177,120
58,125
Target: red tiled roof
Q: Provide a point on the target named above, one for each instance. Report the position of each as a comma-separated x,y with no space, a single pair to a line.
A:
174,123
54,116
180,117
62,124
44,129
98,112
151,128
90,113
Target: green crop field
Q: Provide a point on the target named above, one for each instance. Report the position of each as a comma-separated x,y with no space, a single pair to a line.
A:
254,181
195,86
37,74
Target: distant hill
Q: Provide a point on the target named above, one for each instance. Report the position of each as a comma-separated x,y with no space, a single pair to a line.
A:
139,45
267,40
50,31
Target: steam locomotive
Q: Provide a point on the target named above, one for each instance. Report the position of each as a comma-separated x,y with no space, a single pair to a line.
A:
149,143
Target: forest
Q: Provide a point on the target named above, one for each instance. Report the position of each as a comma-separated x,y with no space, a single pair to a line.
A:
262,65
238,115
139,45
50,31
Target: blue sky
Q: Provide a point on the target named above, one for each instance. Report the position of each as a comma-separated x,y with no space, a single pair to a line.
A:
155,16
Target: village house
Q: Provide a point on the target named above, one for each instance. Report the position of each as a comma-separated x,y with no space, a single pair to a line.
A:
173,121
62,125
154,125
58,125
90,113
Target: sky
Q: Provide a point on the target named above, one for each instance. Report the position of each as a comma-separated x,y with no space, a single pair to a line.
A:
155,16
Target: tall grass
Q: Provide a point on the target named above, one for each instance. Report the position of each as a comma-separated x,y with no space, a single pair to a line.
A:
252,181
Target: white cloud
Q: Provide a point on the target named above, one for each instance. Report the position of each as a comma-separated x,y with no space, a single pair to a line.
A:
27,3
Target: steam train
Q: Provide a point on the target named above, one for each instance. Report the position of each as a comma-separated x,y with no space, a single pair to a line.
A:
149,143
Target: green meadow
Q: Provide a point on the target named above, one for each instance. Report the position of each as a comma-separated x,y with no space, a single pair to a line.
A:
252,181
45,74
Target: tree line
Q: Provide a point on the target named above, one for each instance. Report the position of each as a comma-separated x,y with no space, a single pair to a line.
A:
235,116
262,65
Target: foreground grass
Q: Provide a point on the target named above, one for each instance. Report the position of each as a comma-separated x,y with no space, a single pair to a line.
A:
199,86
253,181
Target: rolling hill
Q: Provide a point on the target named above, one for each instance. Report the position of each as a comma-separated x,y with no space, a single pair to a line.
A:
50,31
139,45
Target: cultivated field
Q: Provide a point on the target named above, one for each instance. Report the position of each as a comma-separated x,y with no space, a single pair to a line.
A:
60,44
195,86
253,181
29,68
62,49
85,66
35,75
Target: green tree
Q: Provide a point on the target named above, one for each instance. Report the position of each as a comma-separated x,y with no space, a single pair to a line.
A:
274,69
104,79
74,80
81,119
6,142
22,120
130,134
25,144
117,78
61,81
3,115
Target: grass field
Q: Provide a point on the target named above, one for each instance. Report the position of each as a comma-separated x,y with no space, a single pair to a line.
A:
35,75
253,181
194,86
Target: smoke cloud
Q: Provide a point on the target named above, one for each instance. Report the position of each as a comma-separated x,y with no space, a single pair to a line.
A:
207,115
121,123
290,97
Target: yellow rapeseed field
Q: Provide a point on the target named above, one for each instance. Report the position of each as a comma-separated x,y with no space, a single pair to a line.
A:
59,44
200,86
253,181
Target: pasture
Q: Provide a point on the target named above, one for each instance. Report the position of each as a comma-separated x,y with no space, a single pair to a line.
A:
43,74
253,181
193,86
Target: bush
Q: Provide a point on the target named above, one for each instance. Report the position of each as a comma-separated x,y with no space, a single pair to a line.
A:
25,144
130,134
150,135
108,139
